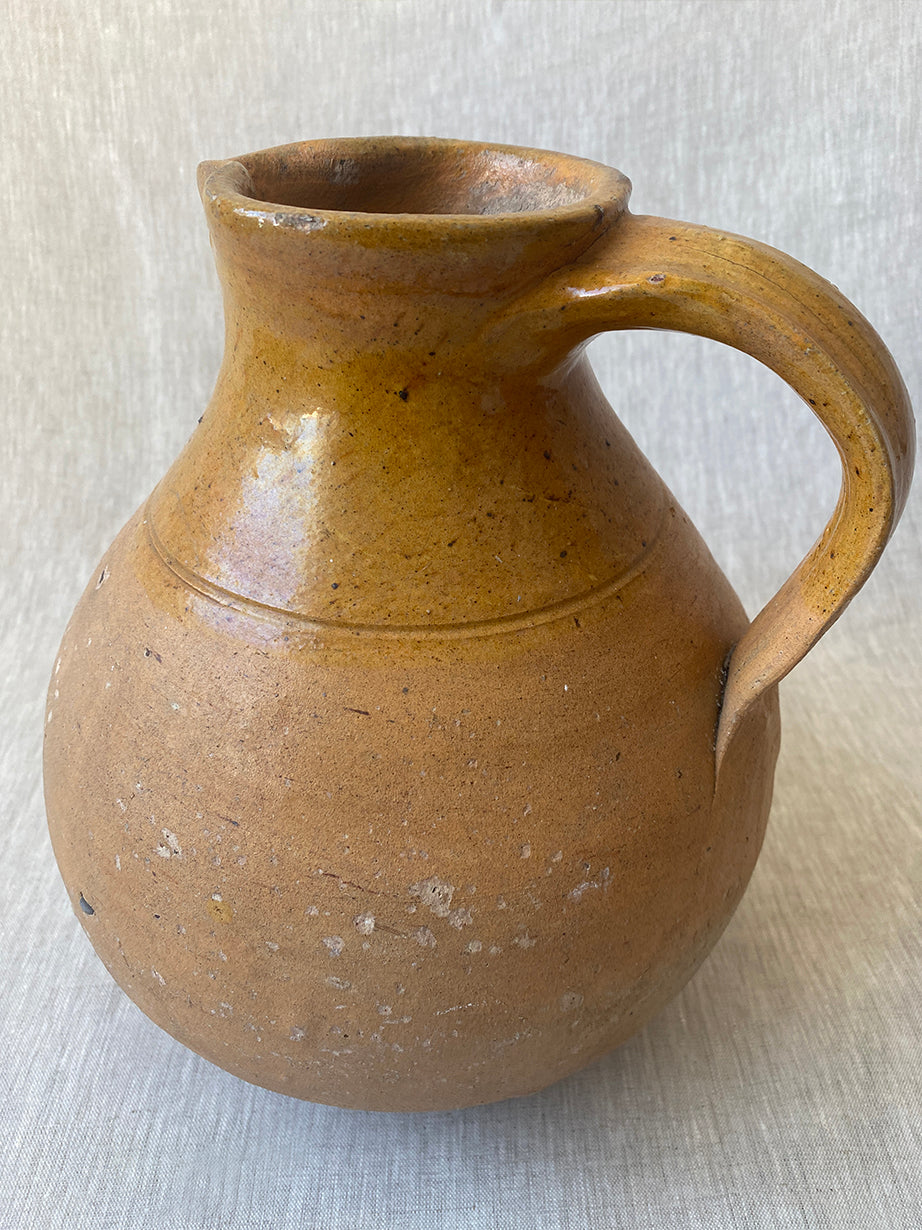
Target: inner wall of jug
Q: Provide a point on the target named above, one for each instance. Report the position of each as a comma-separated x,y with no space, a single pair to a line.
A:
420,178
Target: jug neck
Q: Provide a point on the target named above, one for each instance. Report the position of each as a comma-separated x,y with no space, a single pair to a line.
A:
346,249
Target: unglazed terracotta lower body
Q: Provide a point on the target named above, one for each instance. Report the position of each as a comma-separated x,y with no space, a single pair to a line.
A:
403,870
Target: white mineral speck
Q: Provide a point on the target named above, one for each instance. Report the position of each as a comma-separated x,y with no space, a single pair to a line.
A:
172,842
576,894
434,893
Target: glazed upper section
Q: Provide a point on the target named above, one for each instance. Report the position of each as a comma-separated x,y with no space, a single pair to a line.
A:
376,453
448,216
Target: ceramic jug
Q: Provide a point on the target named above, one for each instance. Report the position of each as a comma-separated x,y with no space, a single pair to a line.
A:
407,749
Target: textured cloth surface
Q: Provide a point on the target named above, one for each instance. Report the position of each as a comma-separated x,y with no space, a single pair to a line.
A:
783,1087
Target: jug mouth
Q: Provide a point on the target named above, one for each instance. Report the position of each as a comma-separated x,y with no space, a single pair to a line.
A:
416,177
427,212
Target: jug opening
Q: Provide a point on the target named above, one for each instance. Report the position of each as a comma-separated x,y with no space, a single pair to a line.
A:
423,177
422,215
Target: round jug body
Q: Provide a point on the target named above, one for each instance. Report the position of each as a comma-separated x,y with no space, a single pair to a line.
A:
403,870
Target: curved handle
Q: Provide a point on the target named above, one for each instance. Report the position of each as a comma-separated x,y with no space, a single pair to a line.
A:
650,273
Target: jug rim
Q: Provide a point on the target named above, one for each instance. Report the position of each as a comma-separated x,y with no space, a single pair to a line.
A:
312,185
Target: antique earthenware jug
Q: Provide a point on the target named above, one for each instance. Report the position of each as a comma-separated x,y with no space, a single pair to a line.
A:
407,749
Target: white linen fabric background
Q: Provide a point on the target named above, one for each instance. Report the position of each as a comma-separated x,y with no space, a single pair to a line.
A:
783,1087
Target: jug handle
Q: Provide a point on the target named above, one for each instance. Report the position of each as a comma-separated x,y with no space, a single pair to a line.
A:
652,273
